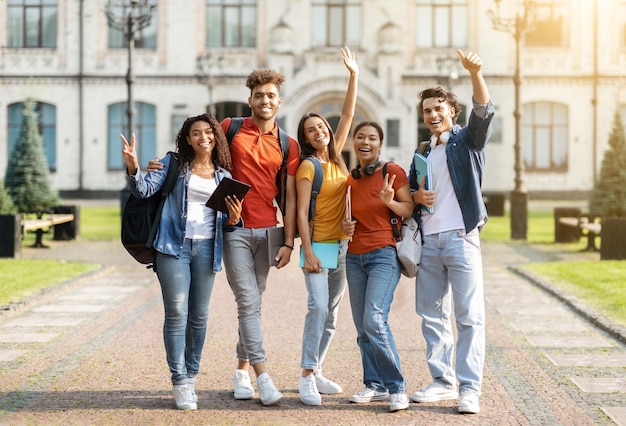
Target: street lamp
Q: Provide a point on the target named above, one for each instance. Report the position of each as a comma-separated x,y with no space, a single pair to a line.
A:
522,22
208,67
135,16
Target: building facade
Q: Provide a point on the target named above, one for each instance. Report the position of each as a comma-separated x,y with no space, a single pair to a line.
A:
195,55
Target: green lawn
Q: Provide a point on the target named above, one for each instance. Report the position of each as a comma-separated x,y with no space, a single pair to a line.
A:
600,284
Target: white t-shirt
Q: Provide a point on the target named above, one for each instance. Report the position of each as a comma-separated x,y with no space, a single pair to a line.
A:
200,218
447,215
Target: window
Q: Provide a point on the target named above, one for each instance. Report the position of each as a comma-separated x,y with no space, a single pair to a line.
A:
441,23
231,109
145,38
145,132
551,25
231,23
545,136
32,23
47,129
393,133
336,23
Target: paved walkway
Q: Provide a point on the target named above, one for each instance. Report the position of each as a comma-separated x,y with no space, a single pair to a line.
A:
91,352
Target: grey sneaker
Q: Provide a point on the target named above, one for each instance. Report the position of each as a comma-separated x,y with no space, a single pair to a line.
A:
368,395
192,389
326,386
243,386
309,394
399,401
183,397
469,403
268,392
434,392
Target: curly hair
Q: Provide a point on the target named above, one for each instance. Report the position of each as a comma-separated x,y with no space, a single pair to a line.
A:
306,149
444,96
264,76
221,152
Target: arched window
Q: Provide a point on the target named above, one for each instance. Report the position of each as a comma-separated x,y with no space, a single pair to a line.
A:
145,133
231,109
47,128
545,136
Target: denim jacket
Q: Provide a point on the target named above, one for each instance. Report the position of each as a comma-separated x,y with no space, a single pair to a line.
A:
171,233
466,160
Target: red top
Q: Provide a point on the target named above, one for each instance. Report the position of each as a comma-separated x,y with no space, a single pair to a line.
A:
256,160
373,222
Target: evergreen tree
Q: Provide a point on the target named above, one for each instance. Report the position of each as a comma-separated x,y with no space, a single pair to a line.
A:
26,177
608,198
6,203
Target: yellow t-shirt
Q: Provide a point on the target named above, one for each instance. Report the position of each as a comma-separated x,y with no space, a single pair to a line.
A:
330,207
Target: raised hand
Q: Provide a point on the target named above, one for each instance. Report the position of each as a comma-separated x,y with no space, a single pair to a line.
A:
349,60
130,154
387,193
471,62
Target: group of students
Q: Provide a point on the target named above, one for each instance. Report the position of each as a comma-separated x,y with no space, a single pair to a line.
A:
192,240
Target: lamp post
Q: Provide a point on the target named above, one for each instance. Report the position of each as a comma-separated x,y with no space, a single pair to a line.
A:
135,16
522,22
208,67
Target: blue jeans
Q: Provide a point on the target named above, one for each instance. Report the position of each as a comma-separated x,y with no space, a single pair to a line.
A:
326,290
372,280
247,266
451,274
186,285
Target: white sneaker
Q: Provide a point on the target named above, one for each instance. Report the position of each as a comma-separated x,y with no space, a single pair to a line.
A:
368,395
243,386
309,394
469,403
192,390
267,391
183,398
399,401
326,386
434,392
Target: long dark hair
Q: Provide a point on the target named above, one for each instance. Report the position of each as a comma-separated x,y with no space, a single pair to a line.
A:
306,149
221,152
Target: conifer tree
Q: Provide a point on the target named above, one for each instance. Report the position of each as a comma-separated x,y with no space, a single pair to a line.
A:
6,203
608,198
26,178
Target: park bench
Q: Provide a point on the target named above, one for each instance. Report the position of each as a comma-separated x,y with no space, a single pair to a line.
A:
44,223
586,226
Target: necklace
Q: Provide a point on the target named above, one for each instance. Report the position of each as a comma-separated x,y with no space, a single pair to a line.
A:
202,168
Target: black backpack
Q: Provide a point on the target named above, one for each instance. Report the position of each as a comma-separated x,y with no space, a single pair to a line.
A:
141,216
281,176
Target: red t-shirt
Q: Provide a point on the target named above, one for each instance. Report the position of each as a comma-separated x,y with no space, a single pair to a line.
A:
373,222
256,160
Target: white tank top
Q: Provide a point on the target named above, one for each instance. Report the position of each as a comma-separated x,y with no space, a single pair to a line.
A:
200,218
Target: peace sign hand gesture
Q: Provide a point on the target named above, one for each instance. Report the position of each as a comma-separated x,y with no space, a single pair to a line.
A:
387,193
130,154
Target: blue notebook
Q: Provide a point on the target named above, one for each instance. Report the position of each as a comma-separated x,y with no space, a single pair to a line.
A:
422,169
326,251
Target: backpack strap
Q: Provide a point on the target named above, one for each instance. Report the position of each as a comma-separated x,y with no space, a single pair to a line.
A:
233,128
392,216
168,186
422,147
316,185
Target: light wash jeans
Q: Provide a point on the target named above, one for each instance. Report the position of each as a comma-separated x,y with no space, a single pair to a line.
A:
247,266
186,286
451,274
372,280
326,290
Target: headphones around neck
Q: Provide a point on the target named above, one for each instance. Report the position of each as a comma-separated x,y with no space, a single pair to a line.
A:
368,170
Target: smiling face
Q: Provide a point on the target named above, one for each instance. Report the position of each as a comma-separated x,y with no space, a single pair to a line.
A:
201,138
264,101
437,115
317,133
367,145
